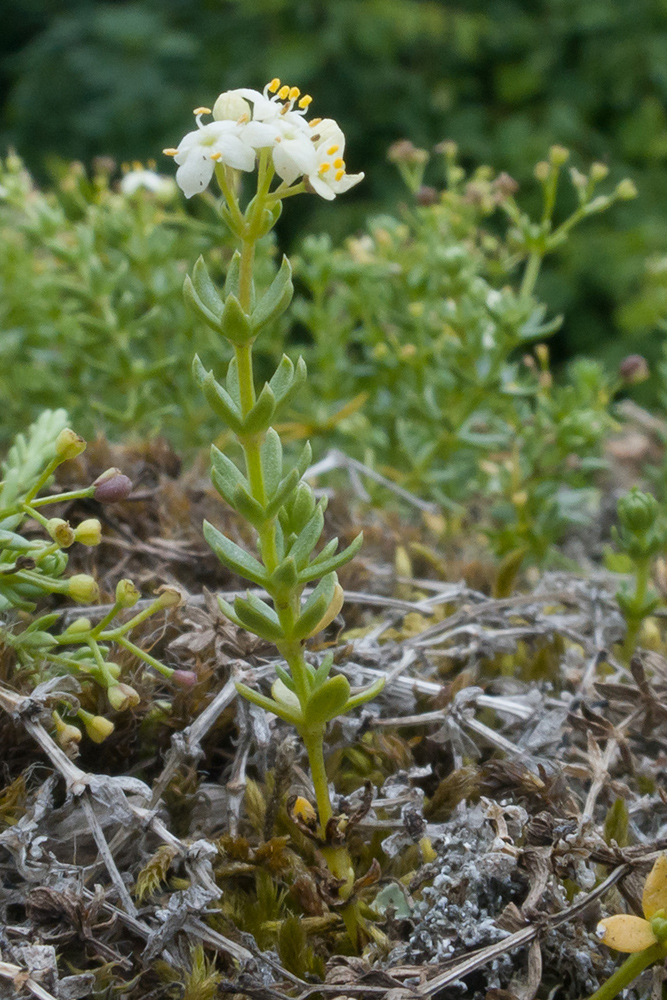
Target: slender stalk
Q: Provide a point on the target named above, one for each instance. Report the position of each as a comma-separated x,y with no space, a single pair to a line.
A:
626,973
531,274
634,623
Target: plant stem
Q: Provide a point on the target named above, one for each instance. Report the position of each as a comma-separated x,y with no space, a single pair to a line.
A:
631,968
314,743
531,274
643,571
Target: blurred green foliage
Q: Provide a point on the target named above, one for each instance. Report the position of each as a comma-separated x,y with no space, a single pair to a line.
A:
504,78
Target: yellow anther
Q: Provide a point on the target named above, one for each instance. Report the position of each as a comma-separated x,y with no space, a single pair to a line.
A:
216,156
315,121
151,164
339,163
273,86
324,167
170,151
201,111
137,165
340,175
331,150
305,101
283,93
294,93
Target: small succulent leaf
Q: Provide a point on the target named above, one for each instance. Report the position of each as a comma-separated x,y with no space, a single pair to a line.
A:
235,324
327,701
625,932
334,608
259,417
259,618
198,307
285,678
233,277
43,622
361,697
654,897
225,475
266,703
325,553
228,612
315,607
311,572
304,459
205,289
272,460
303,506
282,378
276,299
218,398
232,382
323,670
10,540
308,538
234,557
286,576
248,507
286,487
284,695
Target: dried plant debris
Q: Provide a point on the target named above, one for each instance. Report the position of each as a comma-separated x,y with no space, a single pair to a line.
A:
504,792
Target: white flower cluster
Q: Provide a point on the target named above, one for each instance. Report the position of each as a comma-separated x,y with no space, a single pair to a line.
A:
245,121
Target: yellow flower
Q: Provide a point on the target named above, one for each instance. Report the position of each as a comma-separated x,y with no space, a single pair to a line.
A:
628,933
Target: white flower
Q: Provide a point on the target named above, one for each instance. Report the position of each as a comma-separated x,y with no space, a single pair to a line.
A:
149,180
329,177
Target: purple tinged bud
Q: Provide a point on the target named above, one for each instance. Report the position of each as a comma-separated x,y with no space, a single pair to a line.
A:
112,486
634,369
184,678
427,195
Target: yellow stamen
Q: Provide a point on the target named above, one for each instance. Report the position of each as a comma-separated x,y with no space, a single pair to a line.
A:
216,156
136,165
315,121
294,93
201,111
323,169
245,117
305,101
340,162
278,138
170,151
331,150
340,175
151,164
283,92
273,86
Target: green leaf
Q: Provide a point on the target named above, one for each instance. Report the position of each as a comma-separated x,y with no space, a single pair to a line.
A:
198,307
217,398
259,417
287,379
227,478
311,572
266,703
228,612
205,289
372,691
43,622
308,538
328,701
286,576
232,382
248,507
272,460
326,552
282,493
235,324
303,507
323,670
315,607
276,299
259,618
233,276
285,678
234,557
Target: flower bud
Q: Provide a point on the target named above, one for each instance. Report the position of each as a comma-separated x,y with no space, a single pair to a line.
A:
542,171
82,588
447,148
637,511
112,486
505,185
634,369
78,626
184,678
61,532
405,151
127,594
169,597
626,190
599,171
89,532
69,444
427,195
96,726
122,696
230,107
558,155
68,737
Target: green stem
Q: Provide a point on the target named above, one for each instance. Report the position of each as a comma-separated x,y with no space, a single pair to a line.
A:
634,623
631,968
146,657
314,743
531,274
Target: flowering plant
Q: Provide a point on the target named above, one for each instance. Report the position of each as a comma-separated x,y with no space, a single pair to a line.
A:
270,131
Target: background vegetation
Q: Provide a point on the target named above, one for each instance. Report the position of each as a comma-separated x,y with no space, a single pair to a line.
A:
504,78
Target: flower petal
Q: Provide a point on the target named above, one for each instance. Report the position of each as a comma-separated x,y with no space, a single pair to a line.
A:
626,933
654,897
194,174
293,158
